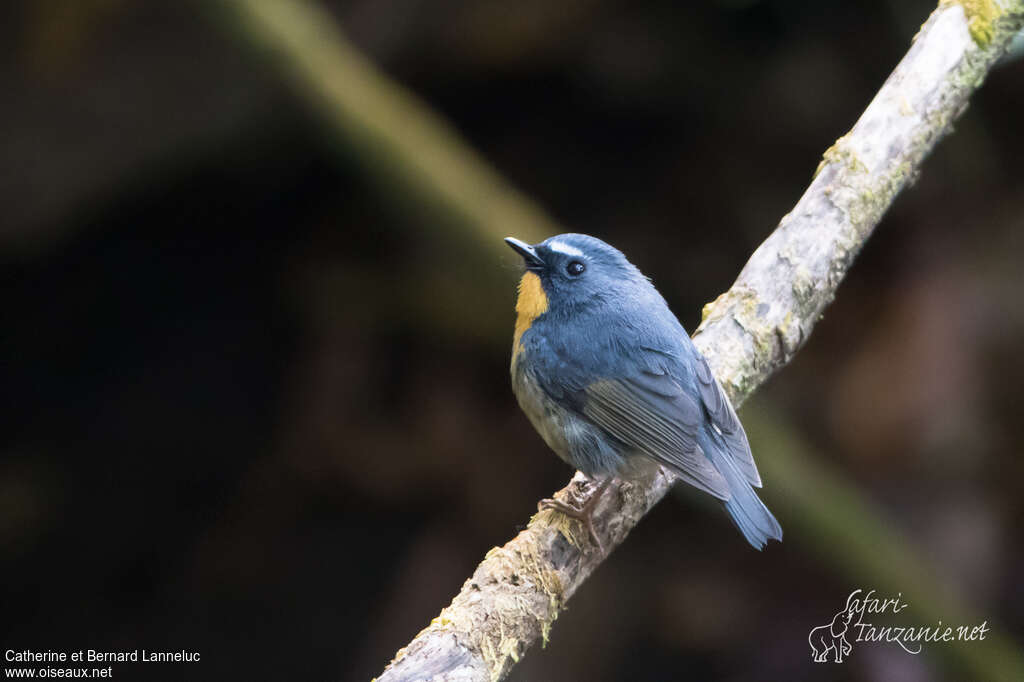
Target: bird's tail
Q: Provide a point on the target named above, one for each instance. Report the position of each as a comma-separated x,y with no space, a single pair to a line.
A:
748,512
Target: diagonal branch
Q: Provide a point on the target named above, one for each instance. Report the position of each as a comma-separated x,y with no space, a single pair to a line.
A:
748,333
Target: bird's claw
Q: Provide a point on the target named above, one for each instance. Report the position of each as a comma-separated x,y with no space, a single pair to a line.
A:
583,513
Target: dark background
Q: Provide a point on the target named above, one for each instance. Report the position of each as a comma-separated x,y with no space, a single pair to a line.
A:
254,406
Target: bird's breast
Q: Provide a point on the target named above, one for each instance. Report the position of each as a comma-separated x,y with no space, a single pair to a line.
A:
548,417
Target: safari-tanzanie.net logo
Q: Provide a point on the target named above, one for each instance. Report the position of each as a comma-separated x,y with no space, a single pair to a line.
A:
864,619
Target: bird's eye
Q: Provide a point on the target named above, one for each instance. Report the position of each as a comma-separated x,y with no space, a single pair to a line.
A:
575,268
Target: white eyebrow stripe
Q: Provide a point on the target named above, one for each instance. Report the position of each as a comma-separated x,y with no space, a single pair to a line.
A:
568,250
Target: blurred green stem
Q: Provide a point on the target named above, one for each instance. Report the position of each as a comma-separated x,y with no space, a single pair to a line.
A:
405,147
829,517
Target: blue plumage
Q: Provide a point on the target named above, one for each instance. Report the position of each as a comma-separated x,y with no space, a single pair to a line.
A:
607,374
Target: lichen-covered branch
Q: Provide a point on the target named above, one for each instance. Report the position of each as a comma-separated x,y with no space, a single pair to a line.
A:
793,275
752,330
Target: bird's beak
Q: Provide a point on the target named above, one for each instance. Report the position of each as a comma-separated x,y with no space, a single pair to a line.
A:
529,253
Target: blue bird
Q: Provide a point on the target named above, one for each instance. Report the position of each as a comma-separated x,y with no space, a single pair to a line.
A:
610,379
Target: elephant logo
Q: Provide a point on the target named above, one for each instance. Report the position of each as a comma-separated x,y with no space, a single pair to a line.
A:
832,637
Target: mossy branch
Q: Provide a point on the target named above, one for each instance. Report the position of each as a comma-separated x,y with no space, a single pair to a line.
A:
748,333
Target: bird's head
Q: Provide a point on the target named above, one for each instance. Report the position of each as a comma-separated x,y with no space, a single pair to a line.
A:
568,273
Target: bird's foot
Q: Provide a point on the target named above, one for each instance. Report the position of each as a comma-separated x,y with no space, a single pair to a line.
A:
583,513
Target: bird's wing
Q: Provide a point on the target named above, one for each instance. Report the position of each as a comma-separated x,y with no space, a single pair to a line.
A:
653,414
722,415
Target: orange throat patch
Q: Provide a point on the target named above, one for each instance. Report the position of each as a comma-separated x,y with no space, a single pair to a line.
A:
531,304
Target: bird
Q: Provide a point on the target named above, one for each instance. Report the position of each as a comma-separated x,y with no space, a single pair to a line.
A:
611,381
